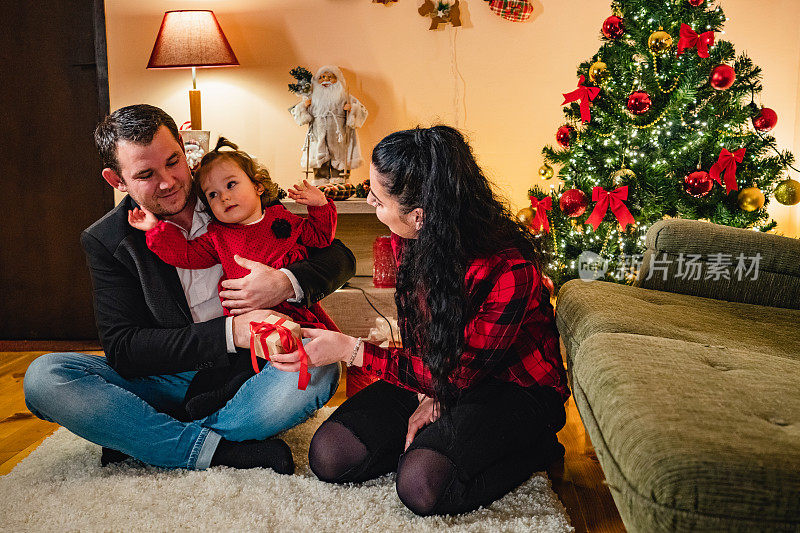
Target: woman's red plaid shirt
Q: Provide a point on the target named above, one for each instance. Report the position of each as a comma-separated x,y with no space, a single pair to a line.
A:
512,337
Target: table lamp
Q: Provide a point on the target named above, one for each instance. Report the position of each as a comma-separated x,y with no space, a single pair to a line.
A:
191,39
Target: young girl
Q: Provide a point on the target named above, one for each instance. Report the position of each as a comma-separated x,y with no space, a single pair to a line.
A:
248,221
479,341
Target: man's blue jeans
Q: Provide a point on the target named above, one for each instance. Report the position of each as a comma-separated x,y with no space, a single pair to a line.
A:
85,395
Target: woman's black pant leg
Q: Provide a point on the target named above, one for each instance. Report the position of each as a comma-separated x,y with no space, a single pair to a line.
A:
495,437
365,436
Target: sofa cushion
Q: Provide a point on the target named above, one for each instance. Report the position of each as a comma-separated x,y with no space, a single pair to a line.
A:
587,308
775,282
692,436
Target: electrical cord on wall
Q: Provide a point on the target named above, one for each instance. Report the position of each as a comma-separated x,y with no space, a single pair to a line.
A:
391,331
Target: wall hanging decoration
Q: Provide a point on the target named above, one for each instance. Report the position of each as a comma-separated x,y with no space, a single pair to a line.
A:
441,12
513,10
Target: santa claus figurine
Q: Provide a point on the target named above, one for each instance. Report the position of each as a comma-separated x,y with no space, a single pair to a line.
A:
331,148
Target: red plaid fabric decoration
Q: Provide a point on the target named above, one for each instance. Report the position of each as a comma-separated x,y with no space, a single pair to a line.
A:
513,10
339,192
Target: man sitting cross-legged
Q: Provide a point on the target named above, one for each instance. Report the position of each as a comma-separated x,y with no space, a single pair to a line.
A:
159,325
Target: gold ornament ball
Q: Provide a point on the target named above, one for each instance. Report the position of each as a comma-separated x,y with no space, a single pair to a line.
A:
788,192
546,171
659,41
750,199
525,215
622,176
598,72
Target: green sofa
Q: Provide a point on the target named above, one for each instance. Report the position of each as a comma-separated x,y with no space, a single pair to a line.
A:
690,388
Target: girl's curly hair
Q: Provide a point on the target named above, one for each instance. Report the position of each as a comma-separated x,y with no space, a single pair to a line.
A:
257,173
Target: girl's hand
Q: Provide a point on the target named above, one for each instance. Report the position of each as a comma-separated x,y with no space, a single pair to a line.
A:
142,219
324,348
427,413
306,194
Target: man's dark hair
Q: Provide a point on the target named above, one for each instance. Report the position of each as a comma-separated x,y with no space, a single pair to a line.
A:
134,123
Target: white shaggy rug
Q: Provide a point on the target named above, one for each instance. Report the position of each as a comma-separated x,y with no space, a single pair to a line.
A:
61,487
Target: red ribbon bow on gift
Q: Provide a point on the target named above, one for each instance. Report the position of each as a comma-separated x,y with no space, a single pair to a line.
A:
540,221
585,95
690,39
288,341
613,199
726,163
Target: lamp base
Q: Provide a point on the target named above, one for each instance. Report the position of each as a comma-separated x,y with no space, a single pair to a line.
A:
194,109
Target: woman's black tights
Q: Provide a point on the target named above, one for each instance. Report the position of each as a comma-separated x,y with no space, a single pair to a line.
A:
491,441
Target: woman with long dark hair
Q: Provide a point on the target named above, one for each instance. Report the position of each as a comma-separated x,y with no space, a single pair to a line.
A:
469,407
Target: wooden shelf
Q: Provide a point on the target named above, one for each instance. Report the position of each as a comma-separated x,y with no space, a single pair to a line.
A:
350,310
351,206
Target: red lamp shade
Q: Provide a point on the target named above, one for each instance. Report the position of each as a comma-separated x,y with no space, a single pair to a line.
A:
191,39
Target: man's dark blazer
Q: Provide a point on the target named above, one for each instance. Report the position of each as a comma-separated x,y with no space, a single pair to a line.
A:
142,315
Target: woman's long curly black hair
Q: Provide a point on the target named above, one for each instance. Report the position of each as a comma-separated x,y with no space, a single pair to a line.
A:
462,219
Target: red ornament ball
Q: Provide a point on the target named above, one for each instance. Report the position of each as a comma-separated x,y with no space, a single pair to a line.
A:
722,77
698,184
696,3
613,27
765,120
564,135
573,202
639,103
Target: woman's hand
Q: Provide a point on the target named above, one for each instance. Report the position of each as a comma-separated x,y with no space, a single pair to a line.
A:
142,219
427,413
306,194
324,348
241,325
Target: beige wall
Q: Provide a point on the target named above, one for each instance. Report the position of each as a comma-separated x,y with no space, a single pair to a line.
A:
501,82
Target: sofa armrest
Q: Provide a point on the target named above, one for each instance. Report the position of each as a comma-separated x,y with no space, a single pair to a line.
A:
713,261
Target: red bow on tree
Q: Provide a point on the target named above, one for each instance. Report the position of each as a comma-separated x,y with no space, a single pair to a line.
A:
288,342
690,39
726,163
540,221
585,95
614,199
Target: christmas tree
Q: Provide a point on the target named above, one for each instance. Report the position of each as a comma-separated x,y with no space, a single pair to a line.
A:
664,123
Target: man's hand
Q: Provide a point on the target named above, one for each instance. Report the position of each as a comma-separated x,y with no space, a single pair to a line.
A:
306,194
262,288
241,325
427,413
142,219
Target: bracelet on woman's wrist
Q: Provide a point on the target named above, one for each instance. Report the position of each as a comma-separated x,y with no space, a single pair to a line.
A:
355,352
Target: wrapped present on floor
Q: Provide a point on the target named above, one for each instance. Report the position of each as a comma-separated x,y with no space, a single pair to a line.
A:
278,335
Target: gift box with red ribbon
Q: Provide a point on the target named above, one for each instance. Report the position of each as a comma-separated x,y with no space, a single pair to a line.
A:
278,335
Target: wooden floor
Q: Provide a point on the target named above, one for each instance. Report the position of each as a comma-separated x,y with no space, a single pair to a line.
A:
579,481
